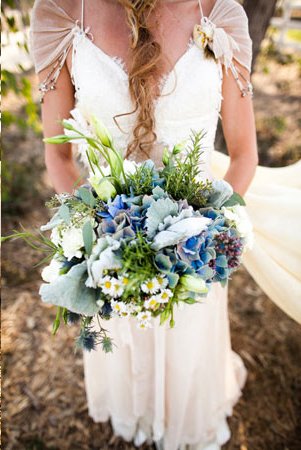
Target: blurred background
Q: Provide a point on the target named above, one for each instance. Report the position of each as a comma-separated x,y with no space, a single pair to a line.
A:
44,404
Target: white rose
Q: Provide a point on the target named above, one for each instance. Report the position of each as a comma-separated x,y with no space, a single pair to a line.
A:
51,273
72,242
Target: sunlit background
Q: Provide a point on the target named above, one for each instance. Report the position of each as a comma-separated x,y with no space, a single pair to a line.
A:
44,404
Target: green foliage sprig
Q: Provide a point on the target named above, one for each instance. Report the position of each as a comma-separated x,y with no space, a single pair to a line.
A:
181,174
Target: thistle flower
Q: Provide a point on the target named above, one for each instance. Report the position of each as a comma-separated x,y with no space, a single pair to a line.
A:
86,340
72,317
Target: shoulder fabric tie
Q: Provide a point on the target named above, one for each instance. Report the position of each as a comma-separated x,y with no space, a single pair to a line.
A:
225,34
220,43
51,36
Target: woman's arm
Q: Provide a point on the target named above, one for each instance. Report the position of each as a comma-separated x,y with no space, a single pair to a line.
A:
57,105
240,133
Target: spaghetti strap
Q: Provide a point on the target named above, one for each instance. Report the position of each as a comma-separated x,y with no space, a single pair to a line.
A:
82,16
201,9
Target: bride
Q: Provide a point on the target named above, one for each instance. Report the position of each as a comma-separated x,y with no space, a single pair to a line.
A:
151,71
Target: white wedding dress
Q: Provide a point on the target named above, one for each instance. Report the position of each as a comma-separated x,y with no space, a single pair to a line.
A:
172,386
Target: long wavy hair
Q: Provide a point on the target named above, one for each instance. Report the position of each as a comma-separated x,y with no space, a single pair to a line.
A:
144,71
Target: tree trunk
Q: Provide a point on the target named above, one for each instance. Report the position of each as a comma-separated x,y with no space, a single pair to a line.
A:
259,13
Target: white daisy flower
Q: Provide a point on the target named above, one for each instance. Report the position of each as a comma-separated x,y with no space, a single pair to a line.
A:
144,316
124,279
107,285
164,296
163,281
151,286
124,311
144,325
118,288
116,306
151,303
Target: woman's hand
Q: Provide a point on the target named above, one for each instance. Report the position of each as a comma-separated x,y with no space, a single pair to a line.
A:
238,124
57,105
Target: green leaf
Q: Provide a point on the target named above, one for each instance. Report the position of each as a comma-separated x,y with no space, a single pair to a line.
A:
69,291
88,237
164,316
86,196
64,213
190,301
235,199
60,139
157,212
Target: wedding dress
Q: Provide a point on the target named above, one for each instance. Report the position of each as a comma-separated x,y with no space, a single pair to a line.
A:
175,387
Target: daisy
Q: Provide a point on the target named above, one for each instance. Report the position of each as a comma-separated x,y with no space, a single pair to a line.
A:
163,281
117,307
151,286
144,316
164,296
107,285
144,325
151,303
118,289
124,279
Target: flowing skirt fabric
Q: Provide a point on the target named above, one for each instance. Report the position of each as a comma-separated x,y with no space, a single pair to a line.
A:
171,386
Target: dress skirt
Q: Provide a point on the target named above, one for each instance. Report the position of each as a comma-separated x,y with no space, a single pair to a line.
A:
171,386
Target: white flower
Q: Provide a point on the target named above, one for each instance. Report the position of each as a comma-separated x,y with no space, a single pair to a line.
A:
118,289
111,286
120,309
72,241
79,122
151,286
100,303
151,303
163,281
55,236
164,296
238,215
144,319
51,273
103,257
129,166
124,279
144,325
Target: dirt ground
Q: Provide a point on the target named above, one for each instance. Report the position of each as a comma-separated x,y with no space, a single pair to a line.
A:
44,404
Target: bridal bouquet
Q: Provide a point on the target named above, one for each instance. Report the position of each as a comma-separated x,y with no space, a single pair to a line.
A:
137,240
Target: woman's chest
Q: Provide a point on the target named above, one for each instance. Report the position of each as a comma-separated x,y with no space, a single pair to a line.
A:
192,89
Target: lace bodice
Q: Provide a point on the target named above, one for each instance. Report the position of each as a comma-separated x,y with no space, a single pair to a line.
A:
190,95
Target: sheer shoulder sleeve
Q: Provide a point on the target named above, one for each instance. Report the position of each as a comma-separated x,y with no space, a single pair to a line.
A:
232,18
51,36
226,33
